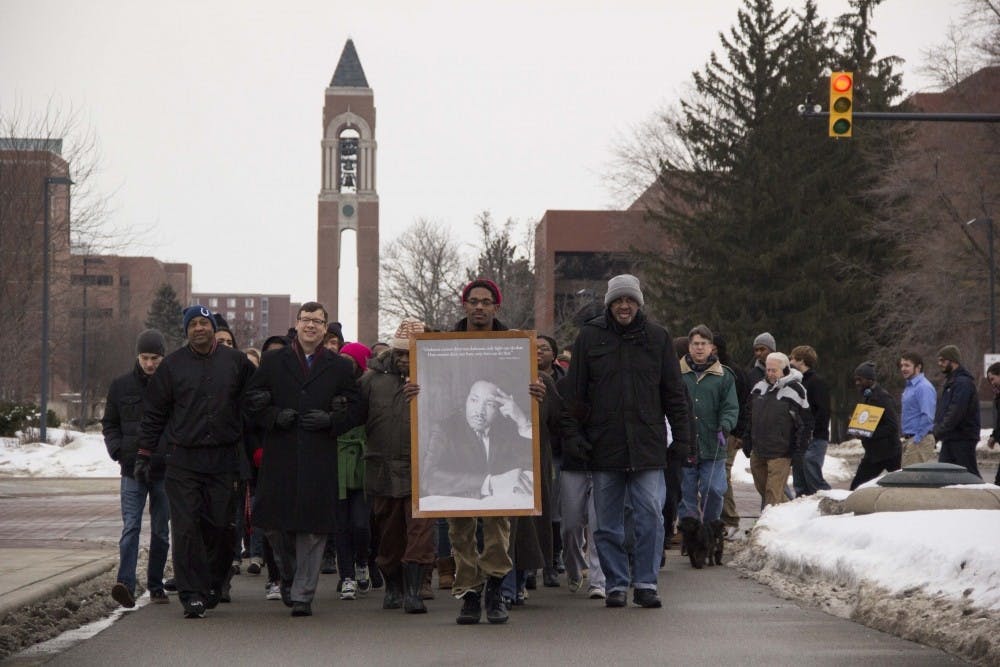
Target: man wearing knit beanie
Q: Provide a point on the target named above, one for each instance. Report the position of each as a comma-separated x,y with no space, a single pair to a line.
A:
883,449
624,366
123,411
956,420
763,345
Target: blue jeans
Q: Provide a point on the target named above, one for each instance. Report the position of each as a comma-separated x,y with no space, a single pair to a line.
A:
807,476
133,501
645,492
708,481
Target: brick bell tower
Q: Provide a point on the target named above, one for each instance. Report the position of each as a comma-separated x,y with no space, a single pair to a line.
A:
347,198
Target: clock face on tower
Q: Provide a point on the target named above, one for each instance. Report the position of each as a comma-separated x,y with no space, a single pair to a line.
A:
348,211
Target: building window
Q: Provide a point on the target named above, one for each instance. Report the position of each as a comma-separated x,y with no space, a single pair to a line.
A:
123,281
248,302
213,302
230,315
230,303
248,316
92,280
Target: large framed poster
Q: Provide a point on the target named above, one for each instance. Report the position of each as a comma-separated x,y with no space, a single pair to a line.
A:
474,425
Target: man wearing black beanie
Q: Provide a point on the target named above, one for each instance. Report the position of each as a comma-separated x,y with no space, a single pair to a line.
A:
120,424
883,449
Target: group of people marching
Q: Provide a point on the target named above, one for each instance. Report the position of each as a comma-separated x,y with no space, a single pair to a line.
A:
305,449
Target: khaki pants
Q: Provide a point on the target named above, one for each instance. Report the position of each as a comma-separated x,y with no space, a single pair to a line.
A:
770,477
471,567
729,515
919,452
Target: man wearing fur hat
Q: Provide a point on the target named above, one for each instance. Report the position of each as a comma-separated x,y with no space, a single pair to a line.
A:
780,427
956,421
624,379
192,415
405,544
883,450
120,424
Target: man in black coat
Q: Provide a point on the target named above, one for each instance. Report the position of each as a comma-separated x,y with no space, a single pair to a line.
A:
623,380
956,422
305,396
192,410
120,424
883,448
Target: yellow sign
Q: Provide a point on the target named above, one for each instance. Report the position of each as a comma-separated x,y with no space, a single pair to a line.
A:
864,420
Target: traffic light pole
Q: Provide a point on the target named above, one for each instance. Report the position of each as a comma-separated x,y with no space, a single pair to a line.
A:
805,112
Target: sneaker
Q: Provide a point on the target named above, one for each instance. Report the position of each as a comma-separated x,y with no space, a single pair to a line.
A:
646,597
235,568
349,591
596,593
122,595
363,580
194,609
531,580
170,585
255,565
550,578
732,533
273,591
615,599
159,597
574,585
302,609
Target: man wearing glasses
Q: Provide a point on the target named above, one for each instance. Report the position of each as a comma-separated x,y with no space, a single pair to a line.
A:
304,395
192,414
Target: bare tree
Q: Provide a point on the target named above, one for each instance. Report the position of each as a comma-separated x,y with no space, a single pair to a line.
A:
508,264
421,275
32,148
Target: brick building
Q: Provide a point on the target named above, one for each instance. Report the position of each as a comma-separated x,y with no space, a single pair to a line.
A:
252,317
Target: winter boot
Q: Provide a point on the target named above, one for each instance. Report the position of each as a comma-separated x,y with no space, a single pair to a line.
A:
413,578
393,590
446,573
426,587
496,610
472,609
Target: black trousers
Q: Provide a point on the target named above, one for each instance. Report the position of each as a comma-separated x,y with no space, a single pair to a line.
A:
202,513
960,453
869,468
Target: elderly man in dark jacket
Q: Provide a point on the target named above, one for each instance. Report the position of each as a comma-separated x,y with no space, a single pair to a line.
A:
623,380
405,544
311,398
122,416
192,408
780,427
956,423
883,449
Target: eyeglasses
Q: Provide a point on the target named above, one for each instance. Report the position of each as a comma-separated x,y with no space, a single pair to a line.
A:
312,320
485,303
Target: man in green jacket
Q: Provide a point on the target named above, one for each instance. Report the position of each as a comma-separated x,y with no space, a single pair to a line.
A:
712,387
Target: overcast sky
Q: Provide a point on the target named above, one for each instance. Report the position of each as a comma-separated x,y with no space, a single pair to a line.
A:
208,113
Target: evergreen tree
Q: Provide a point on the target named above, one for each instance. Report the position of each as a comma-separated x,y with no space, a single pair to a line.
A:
167,315
769,217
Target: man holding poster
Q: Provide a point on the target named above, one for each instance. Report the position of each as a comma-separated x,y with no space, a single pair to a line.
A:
883,450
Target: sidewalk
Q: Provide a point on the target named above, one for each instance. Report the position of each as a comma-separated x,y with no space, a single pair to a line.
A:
31,575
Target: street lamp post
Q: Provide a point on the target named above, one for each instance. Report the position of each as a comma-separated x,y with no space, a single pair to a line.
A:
43,418
993,312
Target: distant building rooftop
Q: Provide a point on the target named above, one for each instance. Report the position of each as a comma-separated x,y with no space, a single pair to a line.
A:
28,144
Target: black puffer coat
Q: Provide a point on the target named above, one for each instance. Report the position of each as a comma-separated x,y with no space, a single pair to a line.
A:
622,382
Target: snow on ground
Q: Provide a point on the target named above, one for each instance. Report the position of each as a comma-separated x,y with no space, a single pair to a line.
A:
835,469
76,455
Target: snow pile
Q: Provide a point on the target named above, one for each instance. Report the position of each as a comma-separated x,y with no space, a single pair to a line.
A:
835,469
81,455
930,576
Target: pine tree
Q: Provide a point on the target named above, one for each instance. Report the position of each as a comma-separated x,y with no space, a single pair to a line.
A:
166,315
769,215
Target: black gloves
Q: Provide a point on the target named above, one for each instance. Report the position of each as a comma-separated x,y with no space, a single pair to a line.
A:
285,419
141,471
316,420
257,399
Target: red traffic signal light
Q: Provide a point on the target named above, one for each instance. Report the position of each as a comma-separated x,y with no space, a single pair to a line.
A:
841,104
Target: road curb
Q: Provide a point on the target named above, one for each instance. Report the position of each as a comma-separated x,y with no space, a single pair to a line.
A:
55,585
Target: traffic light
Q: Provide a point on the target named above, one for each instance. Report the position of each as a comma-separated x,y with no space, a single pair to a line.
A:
841,104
